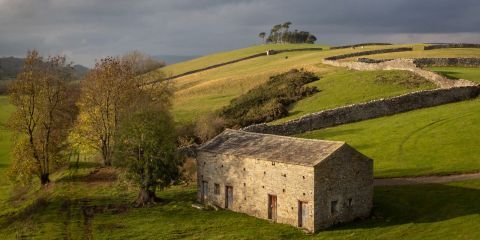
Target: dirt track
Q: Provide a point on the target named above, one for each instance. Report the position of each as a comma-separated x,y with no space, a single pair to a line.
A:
425,179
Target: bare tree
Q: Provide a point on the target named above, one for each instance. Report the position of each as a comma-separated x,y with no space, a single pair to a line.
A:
141,62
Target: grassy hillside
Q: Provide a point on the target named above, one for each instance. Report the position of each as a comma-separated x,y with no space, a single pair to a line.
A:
84,206
90,202
5,145
343,87
436,140
208,91
222,57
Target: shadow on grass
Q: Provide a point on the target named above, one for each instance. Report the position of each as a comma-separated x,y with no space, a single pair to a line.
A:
335,132
448,74
396,205
94,173
64,213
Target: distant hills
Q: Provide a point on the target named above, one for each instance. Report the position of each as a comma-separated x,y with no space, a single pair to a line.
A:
11,66
171,59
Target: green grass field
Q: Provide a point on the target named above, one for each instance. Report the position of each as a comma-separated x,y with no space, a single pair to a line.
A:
438,140
208,91
343,87
226,56
77,208
5,146
469,73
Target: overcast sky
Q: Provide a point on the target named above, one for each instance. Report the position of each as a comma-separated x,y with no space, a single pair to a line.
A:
86,30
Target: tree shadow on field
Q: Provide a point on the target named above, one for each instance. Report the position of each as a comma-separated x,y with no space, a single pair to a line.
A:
429,203
74,216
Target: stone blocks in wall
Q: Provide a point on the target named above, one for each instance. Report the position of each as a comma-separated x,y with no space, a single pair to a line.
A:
369,110
360,45
445,62
452,45
371,52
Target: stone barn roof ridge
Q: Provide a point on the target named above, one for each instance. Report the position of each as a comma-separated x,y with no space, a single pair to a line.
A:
269,147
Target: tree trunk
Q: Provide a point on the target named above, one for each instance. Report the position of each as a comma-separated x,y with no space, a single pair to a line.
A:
44,179
146,197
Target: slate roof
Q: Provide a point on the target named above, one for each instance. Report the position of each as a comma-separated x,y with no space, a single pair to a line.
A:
291,150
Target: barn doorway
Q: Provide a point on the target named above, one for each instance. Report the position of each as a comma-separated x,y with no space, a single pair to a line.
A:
272,207
204,191
302,213
228,197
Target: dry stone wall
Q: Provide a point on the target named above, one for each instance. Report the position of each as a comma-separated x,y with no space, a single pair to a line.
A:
445,62
371,52
452,45
360,45
435,62
369,110
402,64
269,52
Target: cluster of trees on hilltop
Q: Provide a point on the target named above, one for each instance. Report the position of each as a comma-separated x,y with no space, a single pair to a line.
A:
280,34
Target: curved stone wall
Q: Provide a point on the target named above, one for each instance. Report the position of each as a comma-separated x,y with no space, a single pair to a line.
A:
369,110
434,62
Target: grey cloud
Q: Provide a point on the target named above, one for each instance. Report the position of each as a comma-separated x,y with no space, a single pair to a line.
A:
90,29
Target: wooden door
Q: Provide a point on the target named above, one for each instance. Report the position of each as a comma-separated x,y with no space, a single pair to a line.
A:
302,213
272,207
228,197
204,191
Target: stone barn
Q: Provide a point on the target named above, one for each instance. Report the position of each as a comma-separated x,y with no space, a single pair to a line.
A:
311,184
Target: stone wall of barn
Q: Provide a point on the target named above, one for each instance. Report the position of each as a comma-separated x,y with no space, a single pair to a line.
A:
345,178
368,110
252,181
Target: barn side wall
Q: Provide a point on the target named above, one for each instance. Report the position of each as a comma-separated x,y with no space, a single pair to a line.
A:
346,178
252,181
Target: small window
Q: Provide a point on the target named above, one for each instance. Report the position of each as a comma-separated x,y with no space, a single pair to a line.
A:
334,207
350,202
216,189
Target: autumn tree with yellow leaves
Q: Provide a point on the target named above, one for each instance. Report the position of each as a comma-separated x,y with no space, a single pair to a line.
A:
44,114
105,94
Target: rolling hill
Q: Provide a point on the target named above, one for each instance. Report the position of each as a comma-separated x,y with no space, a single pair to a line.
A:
92,202
11,66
